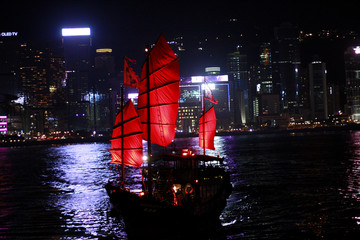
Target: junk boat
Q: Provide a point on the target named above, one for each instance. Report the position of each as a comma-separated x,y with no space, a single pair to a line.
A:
179,189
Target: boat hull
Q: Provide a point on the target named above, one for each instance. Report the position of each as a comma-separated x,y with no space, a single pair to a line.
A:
160,218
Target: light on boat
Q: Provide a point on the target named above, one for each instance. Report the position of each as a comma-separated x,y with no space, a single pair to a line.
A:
144,158
141,194
187,152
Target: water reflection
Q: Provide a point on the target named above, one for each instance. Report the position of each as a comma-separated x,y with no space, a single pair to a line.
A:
81,173
285,187
353,172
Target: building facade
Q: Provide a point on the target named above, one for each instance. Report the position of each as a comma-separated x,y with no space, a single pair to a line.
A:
41,73
318,90
77,46
101,101
238,72
352,84
191,102
286,67
265,71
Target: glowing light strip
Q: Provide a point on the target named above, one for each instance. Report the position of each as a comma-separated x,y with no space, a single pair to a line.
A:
66,32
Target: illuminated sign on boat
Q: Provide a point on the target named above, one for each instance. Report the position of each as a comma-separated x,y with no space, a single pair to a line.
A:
67,32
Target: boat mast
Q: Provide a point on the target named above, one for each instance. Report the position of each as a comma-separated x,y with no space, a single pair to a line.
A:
147,50
204,116
122,137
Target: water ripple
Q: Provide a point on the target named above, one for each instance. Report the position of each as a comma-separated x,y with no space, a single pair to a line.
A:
300,186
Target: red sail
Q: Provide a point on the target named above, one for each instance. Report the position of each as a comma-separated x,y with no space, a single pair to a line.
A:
164,75
132,138
130,77
210,128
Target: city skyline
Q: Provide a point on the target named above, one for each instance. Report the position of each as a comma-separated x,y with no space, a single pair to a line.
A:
127,26
265,61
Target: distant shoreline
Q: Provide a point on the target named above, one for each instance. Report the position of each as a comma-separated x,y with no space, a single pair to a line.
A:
355,127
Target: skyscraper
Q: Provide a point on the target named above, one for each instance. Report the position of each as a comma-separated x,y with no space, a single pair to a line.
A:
191,97
286,67
239,87
100,95
41,72
77,51
352,84
266,81
318,90
9,43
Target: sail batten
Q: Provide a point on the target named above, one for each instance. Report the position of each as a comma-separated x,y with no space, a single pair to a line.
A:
162,71
154,71
125,136
127,142
124,122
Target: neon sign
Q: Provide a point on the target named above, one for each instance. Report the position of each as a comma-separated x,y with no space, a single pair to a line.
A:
66,32
9,34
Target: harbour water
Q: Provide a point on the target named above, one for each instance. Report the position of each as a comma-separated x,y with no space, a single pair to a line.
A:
286,186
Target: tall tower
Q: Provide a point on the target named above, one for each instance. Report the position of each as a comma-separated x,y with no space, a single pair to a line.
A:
102,103
9,42
318,90
41,72
352,82
239,87
286,63
77,51
266,81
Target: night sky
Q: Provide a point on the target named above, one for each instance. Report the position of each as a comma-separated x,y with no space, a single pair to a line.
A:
127,26
123,21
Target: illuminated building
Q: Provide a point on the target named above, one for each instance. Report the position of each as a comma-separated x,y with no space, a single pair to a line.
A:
286,67
352,82
3,124
102,105
333,99
318,90
9,42
77,51
177,44
212,70
239,87
269,106
41,72
190,102
266,84
9,83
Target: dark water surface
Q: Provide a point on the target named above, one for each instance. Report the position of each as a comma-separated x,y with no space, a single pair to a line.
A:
289,186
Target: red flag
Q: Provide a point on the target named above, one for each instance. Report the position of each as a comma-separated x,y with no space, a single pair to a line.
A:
209,95
130,77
